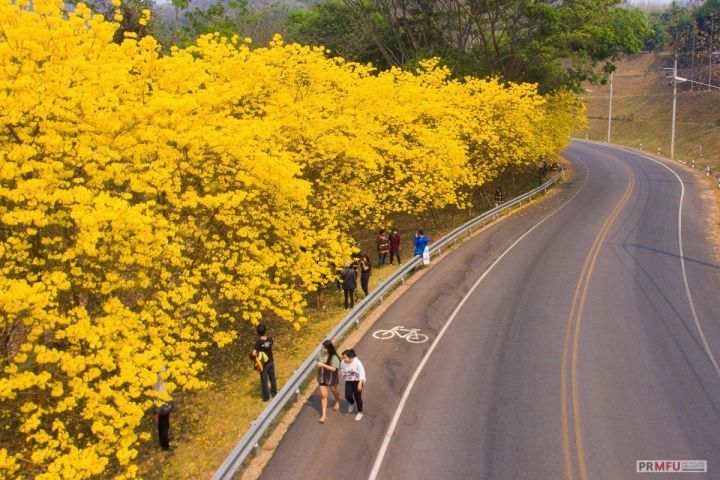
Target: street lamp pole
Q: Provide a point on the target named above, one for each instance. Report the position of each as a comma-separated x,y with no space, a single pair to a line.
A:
610,108
672,134
675,80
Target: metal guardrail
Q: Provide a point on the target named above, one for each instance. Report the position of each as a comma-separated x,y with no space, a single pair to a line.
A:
250,441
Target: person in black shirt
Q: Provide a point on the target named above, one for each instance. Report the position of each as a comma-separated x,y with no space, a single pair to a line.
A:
498,196
365,270
349,284
263,352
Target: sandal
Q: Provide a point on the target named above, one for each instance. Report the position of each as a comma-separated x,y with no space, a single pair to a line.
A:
322,419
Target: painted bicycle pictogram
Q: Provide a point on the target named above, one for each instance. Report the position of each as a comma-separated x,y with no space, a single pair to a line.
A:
411,335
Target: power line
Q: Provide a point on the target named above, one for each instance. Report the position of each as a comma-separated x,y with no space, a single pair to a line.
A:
598,97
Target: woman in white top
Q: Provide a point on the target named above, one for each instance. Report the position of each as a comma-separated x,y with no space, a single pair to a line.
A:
353,373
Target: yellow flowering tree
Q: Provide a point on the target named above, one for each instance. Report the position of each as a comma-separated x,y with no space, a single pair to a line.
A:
150,202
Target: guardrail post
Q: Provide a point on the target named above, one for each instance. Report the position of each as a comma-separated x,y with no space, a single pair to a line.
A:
297,394
402,280
357,323
256,447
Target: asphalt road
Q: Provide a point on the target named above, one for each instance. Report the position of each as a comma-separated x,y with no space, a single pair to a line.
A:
590,344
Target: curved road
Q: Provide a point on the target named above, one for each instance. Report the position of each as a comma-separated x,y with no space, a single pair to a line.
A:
590,344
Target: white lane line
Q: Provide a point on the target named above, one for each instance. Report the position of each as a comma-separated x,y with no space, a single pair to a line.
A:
408,389
706,346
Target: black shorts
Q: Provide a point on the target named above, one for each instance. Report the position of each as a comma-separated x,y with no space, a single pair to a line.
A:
327,379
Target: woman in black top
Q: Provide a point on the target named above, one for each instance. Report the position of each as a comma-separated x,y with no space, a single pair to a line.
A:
264,345
365,273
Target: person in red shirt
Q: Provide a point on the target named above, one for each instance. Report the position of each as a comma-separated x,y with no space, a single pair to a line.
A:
395,246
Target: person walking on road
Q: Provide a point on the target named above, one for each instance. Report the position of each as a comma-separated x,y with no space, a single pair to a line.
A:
349,284
365,269
328,364
263,357
353,373
383,247
395,246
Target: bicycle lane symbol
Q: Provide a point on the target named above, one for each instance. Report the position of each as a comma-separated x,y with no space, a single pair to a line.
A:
411,335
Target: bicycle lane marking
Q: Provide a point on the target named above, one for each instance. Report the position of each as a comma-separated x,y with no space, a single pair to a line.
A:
406,394
411,335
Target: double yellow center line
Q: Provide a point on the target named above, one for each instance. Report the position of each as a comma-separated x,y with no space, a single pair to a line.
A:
572,329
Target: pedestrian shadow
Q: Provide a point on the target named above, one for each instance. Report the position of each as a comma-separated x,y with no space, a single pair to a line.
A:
661,252
314,400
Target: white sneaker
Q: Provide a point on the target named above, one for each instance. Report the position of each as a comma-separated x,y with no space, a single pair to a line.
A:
351,408
358,417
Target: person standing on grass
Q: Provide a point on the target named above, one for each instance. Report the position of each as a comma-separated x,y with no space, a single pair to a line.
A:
353,373
394,246
383,247
365,269
263,353
349,284
421,241
328,365
498,196
355,263
320,292
163,416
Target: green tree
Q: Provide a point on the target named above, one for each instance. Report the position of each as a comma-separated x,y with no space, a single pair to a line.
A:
334,25
555,43
132,16
223,16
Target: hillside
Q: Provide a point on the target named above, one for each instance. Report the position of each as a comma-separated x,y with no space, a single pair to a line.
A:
167,11
642,111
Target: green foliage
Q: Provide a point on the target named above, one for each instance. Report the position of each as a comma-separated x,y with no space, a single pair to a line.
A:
131,11
584,35
333,24
559,44
690,31
260,22
223,17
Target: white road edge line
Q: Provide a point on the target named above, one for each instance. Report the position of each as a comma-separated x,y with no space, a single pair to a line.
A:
408,389
706,346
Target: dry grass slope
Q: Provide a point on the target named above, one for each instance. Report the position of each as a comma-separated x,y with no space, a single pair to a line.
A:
642,110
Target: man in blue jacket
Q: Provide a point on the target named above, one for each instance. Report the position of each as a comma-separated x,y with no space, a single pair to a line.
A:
421,240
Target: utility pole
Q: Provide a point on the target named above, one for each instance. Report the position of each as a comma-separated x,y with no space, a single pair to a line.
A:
672,133
692,65
610,107
710,54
